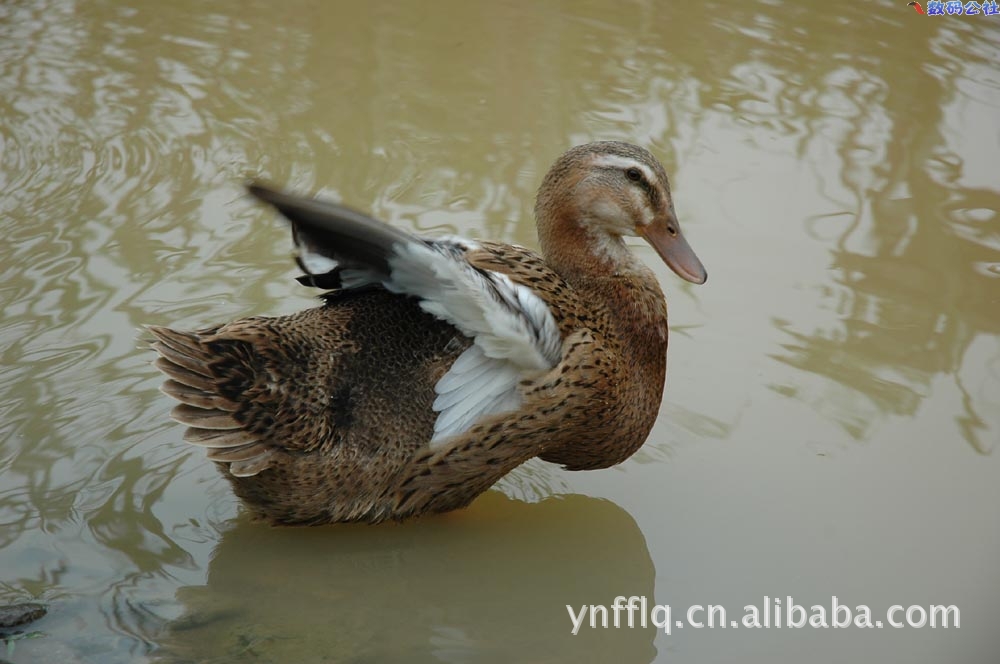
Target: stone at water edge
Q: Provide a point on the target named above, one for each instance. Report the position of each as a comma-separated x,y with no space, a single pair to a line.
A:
13,615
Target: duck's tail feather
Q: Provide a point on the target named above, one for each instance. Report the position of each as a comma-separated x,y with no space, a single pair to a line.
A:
213,418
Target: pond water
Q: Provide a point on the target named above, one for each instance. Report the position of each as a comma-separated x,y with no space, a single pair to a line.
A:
832,408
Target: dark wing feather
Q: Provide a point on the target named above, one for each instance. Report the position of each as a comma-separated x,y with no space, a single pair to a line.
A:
347,237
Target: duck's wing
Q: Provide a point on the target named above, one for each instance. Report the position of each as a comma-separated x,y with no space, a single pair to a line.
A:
514,332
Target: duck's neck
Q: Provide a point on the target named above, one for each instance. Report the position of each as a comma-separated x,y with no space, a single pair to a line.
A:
606,270
573,247
638,312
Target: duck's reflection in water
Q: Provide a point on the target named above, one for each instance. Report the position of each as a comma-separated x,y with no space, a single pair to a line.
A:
488,584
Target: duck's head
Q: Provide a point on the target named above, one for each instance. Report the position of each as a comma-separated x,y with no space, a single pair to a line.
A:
598,193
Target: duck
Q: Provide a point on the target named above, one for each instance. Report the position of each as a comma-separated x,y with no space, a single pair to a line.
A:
432,367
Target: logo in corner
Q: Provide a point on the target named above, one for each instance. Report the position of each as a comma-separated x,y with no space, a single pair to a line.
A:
956,8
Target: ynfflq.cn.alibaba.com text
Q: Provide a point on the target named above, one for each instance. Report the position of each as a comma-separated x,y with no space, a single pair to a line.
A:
637,612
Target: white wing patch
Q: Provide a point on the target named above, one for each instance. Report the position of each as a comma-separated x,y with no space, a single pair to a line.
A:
474,387
507,320
513,331
314,262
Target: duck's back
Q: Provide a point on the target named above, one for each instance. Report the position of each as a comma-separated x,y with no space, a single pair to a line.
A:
331,402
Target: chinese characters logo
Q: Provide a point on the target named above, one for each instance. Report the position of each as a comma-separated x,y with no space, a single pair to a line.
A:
957,8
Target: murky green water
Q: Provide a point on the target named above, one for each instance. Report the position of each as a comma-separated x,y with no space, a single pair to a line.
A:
833,398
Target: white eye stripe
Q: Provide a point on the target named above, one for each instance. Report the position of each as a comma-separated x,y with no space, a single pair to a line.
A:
623,163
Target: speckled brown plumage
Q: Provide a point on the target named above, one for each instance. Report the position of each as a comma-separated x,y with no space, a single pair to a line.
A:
326,415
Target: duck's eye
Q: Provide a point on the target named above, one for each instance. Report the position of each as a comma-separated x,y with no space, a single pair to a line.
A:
633,174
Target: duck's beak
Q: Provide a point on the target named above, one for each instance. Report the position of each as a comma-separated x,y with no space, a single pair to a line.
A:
664,235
